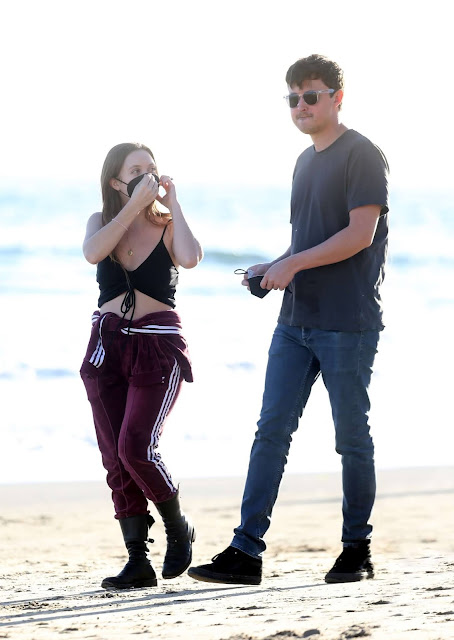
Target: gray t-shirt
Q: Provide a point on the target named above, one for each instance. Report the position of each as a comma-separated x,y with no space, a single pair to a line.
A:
327,185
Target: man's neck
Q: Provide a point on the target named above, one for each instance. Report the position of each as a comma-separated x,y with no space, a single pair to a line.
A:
325,139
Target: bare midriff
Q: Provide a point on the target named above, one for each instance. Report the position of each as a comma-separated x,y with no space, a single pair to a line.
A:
144,305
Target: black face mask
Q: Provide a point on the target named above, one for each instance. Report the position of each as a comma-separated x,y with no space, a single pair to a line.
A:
130,186
256,289
254,284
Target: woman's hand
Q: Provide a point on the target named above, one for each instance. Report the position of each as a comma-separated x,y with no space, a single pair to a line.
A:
145,192
170,197
185,247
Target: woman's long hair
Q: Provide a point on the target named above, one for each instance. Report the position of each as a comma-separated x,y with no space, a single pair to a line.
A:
111,201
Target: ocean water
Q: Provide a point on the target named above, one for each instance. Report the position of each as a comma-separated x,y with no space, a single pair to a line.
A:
48,291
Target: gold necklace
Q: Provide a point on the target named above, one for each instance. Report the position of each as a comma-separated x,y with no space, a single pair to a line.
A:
130,251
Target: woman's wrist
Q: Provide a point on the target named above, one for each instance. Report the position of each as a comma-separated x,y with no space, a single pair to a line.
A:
128,213
120,223
174,206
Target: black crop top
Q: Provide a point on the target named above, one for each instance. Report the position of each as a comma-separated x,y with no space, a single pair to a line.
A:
156,277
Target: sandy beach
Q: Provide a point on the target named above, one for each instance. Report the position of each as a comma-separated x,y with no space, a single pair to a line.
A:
60,540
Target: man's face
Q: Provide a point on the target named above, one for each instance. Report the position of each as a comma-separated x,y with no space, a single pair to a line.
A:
315,119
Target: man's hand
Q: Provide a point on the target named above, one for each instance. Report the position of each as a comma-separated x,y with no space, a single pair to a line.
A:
279,275
257,270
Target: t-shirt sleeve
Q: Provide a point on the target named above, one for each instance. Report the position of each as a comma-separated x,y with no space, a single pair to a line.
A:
367,177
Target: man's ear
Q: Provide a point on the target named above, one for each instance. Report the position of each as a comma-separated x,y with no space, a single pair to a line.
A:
338,97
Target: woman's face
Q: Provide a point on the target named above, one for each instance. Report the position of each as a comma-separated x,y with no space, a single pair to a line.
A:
137,163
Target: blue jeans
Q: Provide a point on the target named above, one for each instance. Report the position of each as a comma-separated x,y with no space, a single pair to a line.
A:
297,357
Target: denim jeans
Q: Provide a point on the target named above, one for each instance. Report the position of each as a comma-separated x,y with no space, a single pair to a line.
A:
297,357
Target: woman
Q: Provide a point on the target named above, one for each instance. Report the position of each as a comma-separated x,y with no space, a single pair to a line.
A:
137,357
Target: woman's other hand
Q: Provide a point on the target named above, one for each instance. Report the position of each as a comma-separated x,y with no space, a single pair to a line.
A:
170,196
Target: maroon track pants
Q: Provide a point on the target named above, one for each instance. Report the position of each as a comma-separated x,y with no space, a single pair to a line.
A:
131,395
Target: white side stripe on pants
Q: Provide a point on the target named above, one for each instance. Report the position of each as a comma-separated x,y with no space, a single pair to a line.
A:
152,456
99,353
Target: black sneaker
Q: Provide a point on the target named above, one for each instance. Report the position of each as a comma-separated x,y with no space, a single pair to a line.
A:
353,564
232,566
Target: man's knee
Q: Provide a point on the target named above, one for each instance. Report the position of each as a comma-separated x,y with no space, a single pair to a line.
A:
358,448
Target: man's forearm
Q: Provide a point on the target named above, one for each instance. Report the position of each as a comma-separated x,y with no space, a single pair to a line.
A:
341,246
282,257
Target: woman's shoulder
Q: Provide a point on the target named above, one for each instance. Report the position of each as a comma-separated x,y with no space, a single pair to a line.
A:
168,229
164,224
95,220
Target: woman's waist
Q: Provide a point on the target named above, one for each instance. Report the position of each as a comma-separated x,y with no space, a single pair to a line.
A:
144,305
167,321
157,334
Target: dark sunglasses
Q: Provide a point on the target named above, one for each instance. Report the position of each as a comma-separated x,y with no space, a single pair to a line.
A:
309,97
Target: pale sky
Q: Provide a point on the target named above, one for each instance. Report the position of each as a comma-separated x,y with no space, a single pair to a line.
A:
201,83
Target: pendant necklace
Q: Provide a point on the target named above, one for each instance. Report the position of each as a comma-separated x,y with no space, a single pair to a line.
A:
130,251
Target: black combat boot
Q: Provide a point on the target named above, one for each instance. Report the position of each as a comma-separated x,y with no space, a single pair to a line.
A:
180,536
138,571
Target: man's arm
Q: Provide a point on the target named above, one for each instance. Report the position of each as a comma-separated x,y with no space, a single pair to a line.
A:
261,268
342,245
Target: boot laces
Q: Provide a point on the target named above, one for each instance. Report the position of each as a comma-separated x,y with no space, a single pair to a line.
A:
225,554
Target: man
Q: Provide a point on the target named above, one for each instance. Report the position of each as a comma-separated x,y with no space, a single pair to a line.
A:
329,323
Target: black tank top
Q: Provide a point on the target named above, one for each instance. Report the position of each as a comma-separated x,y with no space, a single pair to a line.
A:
156,277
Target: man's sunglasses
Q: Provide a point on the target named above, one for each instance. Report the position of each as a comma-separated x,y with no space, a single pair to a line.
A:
309,97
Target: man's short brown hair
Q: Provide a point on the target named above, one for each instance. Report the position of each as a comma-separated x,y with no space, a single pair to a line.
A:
315,67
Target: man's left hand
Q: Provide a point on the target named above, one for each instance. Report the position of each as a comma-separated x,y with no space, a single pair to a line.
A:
279,275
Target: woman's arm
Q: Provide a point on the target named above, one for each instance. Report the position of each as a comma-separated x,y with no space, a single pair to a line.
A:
185,247
101,240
